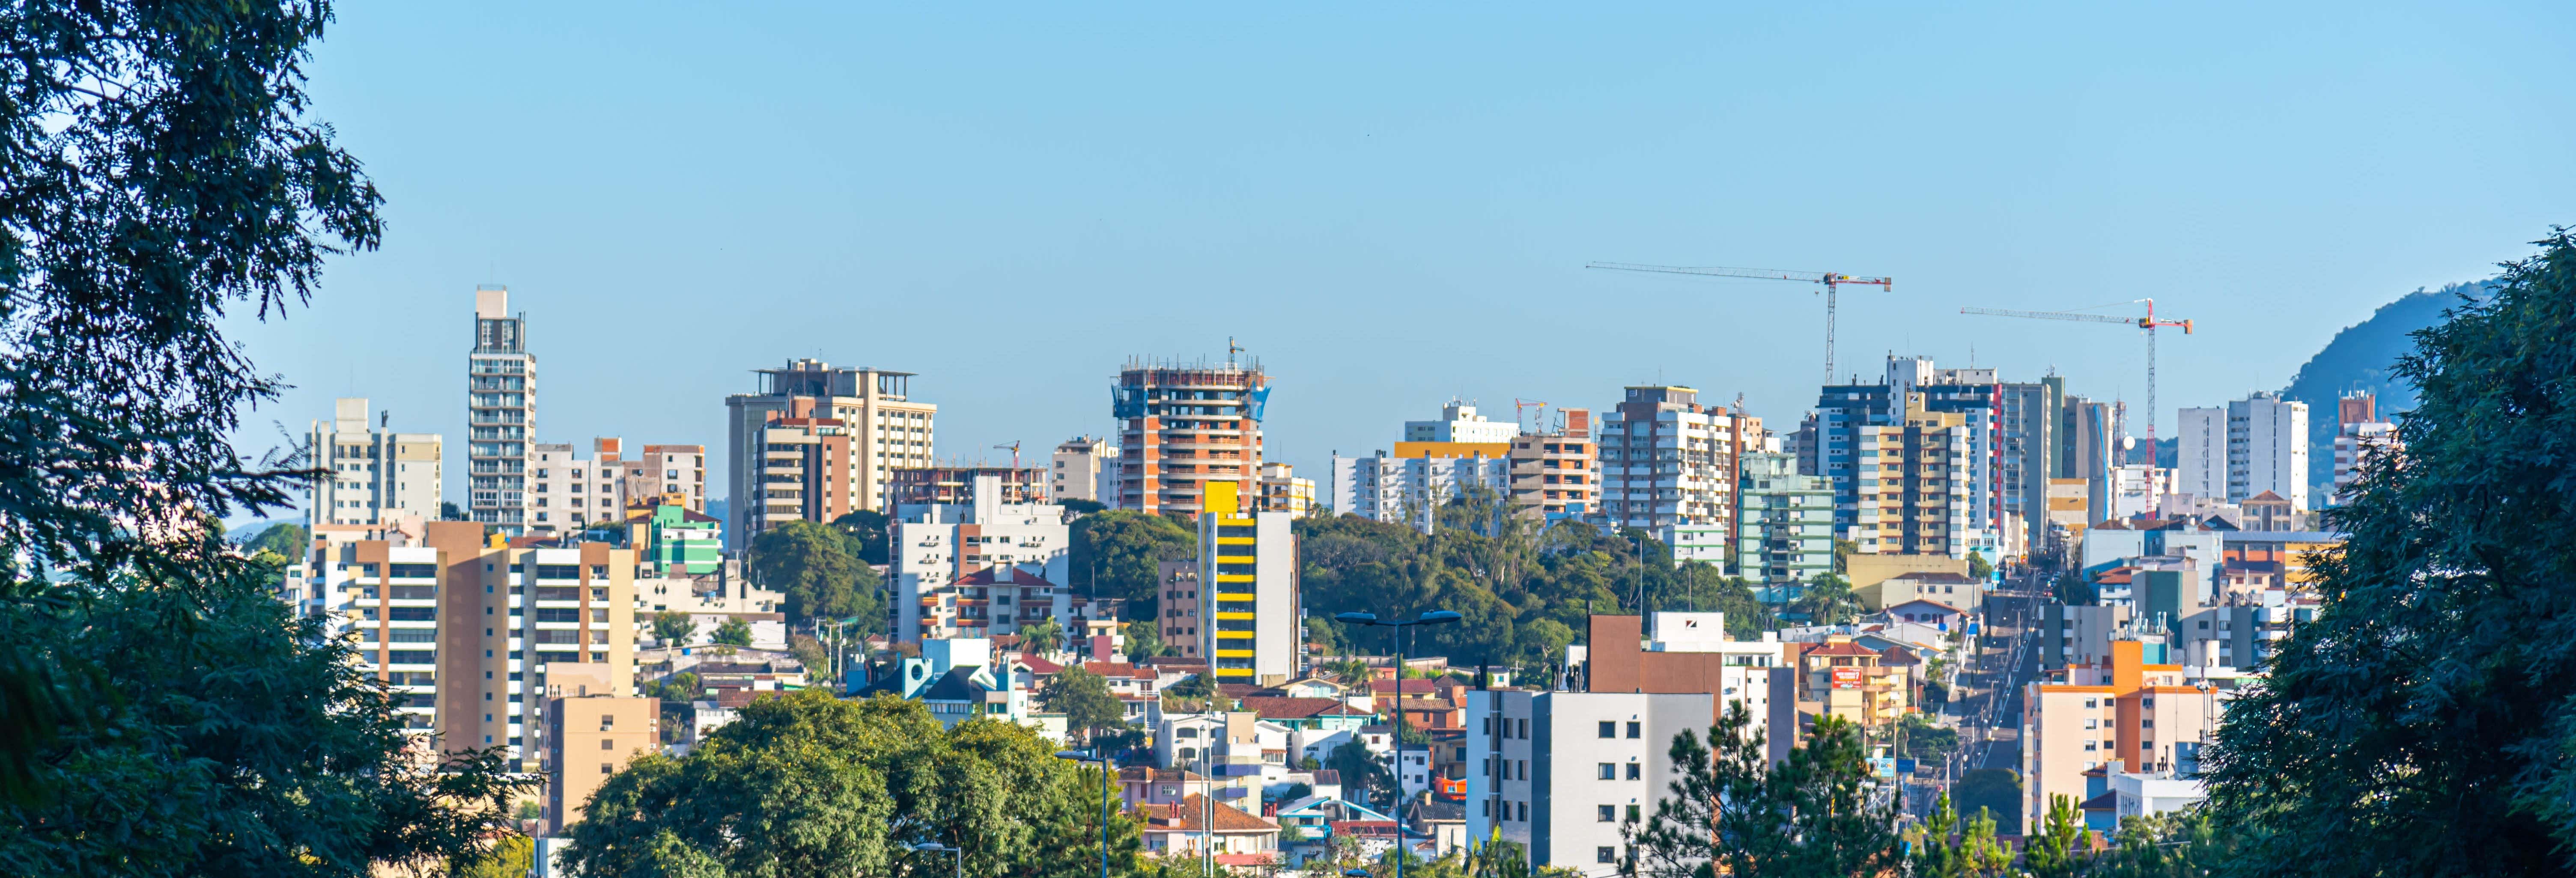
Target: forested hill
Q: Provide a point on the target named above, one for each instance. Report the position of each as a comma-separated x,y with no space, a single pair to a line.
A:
2363,357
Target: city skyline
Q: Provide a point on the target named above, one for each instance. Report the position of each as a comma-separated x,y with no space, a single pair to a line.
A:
1417,228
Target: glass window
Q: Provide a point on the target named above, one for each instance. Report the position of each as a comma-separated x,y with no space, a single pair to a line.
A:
1609,729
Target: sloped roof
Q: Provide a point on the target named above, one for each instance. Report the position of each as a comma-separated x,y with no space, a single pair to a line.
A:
1297,708
1038,665
1325,776
956,685
1021,577
1383,687
1844,648
1929,602
1183,816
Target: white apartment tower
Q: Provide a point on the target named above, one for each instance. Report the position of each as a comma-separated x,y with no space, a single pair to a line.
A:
500,413
1086,468
2267,445
1459,422
2200,454
978,569
1248,570
570,492
372,472
1667,460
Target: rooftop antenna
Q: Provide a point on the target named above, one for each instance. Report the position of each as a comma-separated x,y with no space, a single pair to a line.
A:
384,418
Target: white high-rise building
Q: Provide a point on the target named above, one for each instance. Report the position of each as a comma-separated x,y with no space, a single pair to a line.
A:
1086,468
1410,489
568,491
1459,422
979,569
1667,460
2200,453
373,472
500,413
2267,448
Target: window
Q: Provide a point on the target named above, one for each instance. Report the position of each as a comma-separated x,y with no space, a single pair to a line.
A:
1609,729
1524,809
605,768
2088,745
1609,771
605,745
1636,730
1608,813
1524,729
1636,771
1605,855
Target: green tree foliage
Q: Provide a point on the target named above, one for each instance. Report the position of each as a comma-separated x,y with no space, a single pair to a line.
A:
159,170
806,784
2176,845
1085,700
1042,637
673,628
1807,816
510,857
2424,723
1977,566
286,539
239,742
2074,590
1115,554
1145,639
1365,776
817,569
1524,593
866,531
1927,742
1079,506
734,632
2057,852
1827,600
1992,789
449,511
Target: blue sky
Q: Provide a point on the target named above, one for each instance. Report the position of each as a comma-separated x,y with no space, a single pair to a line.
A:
1393,206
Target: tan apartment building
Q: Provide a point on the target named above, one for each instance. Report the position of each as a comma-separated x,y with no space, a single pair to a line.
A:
374,474
1559,473
466,630
1283,491
1914,483
1184,427
1084,468
588,738
956,485
2128,715
885,430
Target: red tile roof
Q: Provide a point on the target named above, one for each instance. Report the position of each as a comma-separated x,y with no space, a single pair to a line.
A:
1183,816
1297,708
1385,687
1843,648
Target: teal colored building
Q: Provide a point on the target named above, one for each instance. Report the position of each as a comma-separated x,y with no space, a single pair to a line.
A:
1784,525
675,541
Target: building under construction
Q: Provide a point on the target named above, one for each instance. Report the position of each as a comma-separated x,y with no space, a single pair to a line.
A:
1184,425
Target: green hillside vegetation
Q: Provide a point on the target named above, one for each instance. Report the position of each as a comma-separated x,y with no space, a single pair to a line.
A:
2363,357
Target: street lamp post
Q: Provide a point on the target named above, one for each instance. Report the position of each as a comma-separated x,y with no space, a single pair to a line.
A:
935,847
1082,756
1432,617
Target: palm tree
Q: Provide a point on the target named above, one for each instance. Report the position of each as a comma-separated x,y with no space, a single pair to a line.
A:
1042,636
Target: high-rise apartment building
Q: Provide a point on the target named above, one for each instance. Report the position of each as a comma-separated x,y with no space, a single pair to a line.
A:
500,413
954,485
2028,448
1282,490
1410,489
1248,601
879,429
569,491
467,630
1667,460
1784,523
2358,433
979,568
1916,484
1186,428
2087,447
1845,410
2256,444
1085,468
372,472
1557,474
1459,422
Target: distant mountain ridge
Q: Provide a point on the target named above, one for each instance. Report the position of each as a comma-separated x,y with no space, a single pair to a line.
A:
2363,357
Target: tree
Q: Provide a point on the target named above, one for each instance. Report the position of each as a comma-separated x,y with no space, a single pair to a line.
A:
1934,854
2422,723
807,784
242,742
1828,600
1926,742
1042,637
160,168
866,531
286,539
734,632
449,511
1993,789
2055,851
1809,815
1145,639
1365,777
2181,843
673,628
510,857
1084,699
815,568
1977,566
1077,506
1115,553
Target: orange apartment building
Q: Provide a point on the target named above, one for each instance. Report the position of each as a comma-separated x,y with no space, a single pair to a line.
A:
1557,474
2127,716
1182,427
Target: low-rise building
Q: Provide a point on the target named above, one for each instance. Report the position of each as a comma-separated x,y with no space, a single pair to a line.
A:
2131,714
588,738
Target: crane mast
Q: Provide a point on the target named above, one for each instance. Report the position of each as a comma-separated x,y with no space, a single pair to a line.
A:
1830,280
2148,324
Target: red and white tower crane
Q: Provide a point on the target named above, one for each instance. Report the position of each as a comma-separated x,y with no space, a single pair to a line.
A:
1832,282
2148,323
